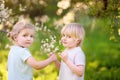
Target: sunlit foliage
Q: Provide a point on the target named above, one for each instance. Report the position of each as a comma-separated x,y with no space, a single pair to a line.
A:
100,18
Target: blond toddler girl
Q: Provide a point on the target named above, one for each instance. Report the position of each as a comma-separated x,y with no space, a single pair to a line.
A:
20,60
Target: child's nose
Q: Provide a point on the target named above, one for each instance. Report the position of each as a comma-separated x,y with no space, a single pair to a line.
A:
64,38
28,38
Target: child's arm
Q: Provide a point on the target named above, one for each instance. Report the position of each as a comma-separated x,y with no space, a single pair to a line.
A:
57,63
40,64
76,69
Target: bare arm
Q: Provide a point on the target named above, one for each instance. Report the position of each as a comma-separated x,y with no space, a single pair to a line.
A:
78,70
57,63
40,64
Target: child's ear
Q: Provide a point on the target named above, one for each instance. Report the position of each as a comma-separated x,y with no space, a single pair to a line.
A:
15,38
78,41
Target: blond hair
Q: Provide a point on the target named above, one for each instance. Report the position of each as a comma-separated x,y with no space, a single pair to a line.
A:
74,30
20,25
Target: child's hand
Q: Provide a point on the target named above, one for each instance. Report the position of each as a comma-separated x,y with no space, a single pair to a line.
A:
63,56
53,56
51,53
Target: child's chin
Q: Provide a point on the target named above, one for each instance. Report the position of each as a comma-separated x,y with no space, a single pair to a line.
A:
26,46
65,45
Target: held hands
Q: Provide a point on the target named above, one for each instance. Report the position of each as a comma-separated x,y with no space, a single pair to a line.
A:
63,56
53,56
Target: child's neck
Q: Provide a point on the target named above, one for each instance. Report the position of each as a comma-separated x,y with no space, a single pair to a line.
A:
19,46
70,48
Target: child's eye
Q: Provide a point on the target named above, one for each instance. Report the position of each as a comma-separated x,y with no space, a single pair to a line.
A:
24,35
69,36
63,35
32,36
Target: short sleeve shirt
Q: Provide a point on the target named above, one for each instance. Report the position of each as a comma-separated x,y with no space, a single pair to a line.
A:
77,57
18,69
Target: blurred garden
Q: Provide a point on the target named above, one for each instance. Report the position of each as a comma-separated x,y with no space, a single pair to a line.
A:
100,18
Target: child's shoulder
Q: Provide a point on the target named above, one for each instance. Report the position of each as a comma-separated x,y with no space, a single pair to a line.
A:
79,51
17,48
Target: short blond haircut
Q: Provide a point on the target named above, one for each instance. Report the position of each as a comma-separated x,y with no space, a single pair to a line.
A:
20,25
74,30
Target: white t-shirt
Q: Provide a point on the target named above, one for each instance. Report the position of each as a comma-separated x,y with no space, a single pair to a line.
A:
76,56
18,69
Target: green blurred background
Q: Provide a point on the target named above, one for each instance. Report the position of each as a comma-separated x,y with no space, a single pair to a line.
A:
100,18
